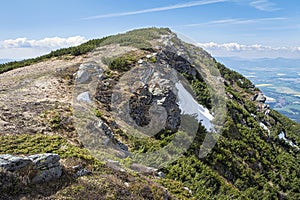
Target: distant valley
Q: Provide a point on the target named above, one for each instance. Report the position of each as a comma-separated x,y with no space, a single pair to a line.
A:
278,79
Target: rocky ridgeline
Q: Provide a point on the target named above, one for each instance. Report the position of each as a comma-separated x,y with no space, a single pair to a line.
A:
39,167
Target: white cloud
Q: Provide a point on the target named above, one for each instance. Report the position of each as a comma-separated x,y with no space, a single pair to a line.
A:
50,43
171,7
250,51
241,47
264,5
21,48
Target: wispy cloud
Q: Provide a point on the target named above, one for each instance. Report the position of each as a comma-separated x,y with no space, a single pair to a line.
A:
235,21
236,47
257,20
171,7
264,5
51,43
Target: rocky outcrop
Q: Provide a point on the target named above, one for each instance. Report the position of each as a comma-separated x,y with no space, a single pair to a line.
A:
8,180
86,71
42,167
84,97
159,90
47,167
177,62
173,111
139,106
259,98
143,99
108,132
80,171
103,91
14,163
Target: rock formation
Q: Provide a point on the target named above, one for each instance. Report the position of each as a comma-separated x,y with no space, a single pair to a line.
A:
42,167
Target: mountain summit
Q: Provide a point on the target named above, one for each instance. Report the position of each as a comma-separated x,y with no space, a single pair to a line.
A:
140,115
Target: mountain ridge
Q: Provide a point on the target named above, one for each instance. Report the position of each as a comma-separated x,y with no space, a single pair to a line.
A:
249,160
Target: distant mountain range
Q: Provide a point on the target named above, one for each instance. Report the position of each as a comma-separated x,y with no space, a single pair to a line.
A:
278,78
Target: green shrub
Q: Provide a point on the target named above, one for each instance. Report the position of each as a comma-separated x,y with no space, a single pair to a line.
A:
122,63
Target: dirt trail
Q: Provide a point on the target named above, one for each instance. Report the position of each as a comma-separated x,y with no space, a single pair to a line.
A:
32,97
26,93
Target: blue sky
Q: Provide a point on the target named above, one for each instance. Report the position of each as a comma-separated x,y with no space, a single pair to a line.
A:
244,28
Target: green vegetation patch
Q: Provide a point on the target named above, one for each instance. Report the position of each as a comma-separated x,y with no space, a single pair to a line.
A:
122,63
200,179
176,188
36,144
138,38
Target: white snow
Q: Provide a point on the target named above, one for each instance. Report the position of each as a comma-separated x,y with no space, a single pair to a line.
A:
282,137
265,127
188,105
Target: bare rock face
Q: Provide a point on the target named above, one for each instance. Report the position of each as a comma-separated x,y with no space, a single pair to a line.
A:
140,105
47,167
172,108
86,70
84,97
44,167
7,180
177,62
14,163
48,174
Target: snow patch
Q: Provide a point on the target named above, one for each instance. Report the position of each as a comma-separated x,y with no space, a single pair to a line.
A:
265,128
188,105
282,137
